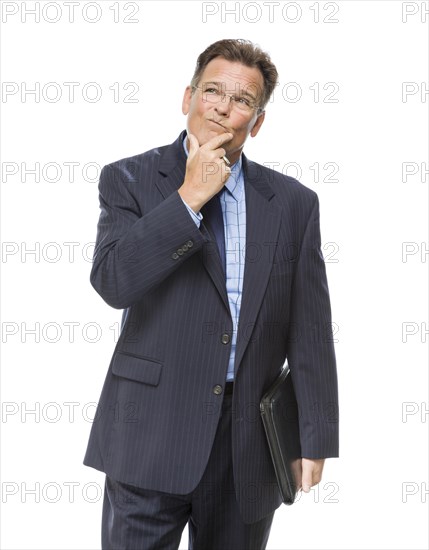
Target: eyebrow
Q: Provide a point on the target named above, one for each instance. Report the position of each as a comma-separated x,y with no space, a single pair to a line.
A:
220,84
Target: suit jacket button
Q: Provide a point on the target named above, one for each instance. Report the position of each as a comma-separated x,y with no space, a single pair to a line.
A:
175,256
190,244
225,338
180,251
217,389
185,247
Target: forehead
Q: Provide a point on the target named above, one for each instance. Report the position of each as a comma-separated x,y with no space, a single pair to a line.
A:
232,74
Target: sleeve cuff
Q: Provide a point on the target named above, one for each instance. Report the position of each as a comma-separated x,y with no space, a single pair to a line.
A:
197,217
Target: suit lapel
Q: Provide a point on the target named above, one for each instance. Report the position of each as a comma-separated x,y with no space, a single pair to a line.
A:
262,229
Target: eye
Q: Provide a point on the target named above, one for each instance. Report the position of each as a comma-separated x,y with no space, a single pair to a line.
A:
211,90
243,101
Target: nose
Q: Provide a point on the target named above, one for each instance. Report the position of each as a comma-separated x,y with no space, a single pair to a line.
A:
223,107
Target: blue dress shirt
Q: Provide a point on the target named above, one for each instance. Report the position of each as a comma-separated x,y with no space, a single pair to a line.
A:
233,203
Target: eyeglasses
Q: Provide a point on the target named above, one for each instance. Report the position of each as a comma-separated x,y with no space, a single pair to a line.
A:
213,94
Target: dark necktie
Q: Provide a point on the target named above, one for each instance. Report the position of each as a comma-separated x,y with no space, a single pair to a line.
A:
213,217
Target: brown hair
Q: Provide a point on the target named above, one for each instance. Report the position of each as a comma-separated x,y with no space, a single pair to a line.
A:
241,51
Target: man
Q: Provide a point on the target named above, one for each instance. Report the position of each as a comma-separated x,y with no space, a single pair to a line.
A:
192,237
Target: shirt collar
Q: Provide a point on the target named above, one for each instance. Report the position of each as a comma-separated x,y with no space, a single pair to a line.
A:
235,182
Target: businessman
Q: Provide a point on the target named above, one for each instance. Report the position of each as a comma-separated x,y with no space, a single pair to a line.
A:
216,262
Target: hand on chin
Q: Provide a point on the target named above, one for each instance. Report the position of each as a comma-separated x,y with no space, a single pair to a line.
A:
208,133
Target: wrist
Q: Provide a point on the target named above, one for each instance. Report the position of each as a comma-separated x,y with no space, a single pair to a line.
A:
191,201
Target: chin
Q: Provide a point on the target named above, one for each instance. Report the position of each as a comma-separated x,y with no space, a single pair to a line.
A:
206,135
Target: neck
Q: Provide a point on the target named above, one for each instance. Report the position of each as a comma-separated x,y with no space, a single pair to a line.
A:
233,157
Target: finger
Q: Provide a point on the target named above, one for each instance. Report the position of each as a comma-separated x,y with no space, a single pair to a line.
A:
307,477
224,169
193,145
219,153
217,141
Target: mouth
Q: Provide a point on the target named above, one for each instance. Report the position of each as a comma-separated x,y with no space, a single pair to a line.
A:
219,124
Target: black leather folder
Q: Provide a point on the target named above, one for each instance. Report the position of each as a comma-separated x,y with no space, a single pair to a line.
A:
279,413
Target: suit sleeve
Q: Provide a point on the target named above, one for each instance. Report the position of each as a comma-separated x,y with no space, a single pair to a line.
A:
134,253
311,355
197,217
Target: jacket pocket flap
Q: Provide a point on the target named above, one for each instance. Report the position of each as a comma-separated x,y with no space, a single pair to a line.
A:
137,368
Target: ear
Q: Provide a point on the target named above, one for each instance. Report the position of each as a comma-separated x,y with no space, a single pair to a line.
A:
257,124
186,103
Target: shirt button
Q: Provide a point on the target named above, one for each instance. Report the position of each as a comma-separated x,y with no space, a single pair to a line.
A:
217,389
190,244
175,256
225,338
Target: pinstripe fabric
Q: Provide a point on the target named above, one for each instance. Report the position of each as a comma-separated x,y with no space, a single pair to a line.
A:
233,204
160,406
135,518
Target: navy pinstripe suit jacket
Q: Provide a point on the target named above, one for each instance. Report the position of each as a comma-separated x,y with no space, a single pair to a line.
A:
158,412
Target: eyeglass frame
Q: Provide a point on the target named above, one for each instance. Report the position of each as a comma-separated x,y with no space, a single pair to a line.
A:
223,95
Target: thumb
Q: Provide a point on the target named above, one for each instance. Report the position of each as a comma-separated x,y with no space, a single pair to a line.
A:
307,476
193,145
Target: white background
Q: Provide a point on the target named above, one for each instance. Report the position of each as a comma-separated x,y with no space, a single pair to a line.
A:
375,495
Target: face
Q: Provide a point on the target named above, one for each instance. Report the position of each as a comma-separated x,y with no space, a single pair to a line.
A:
206,120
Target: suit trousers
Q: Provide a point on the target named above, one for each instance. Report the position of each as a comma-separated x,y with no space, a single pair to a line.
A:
138,519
